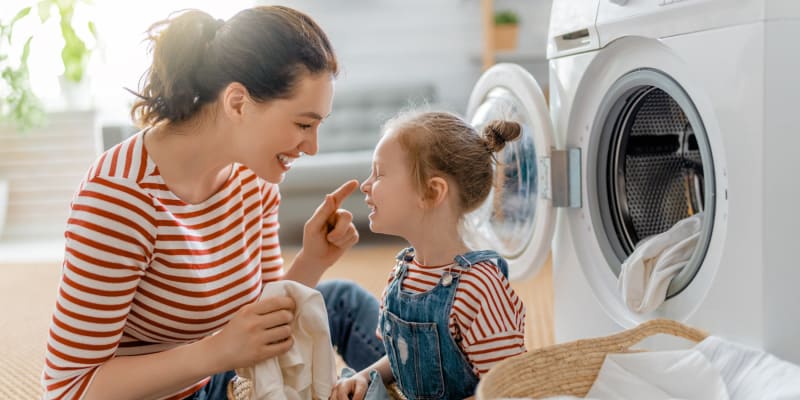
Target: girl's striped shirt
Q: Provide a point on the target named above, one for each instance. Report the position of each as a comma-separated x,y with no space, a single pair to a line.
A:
487,319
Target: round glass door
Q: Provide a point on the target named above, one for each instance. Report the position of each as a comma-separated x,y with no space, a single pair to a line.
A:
506,219
515,220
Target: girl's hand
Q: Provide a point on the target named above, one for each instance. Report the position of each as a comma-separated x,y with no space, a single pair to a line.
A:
330,231
258,331
354,388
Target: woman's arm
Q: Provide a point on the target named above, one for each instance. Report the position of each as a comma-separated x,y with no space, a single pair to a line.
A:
258,331
326,236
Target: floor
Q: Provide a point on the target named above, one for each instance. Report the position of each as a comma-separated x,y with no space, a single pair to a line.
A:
29,282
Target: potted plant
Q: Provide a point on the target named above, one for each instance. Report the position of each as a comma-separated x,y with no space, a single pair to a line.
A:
20,109
18,104
506,27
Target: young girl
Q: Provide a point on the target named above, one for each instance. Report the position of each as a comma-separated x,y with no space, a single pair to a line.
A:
448,313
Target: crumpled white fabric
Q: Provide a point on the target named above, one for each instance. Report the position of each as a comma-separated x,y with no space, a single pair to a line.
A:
712,369
658,375
751,373
645,275
308,370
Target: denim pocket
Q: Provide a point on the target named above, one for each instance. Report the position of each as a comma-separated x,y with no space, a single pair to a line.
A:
413,350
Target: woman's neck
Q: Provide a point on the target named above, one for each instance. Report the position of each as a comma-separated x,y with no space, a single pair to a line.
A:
190,158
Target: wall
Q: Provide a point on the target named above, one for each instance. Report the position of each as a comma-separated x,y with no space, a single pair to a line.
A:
389,42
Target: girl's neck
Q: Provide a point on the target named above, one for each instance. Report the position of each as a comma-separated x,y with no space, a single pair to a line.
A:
438,248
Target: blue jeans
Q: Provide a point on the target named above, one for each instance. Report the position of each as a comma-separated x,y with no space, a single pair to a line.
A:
215,389
353,320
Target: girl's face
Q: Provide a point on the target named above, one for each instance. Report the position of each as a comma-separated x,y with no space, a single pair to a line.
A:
396,206
277,132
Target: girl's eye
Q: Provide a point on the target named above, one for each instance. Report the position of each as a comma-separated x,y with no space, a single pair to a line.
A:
304,126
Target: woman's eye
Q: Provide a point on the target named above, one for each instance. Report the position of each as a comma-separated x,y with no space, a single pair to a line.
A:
304,126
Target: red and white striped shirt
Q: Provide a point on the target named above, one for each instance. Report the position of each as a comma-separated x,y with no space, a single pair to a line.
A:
487,319
144,271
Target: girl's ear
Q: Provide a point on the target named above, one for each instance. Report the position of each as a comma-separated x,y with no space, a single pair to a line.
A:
436,192
234,98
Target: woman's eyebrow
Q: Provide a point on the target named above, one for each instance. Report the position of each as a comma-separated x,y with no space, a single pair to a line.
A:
311,114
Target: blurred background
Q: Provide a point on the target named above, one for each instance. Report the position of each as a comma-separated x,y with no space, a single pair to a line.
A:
394,55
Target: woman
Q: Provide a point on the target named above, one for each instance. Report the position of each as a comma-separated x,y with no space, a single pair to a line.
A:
173,232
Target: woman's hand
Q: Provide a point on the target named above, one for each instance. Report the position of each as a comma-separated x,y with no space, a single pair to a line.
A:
330,231
354,388
258,331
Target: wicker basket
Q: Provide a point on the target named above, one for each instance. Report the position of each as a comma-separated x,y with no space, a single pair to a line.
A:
569,369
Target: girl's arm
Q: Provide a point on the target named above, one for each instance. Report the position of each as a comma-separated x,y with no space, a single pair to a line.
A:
355,387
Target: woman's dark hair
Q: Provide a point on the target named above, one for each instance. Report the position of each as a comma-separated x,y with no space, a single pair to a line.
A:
443,144
267,49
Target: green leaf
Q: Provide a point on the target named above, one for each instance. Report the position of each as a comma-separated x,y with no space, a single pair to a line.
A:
43,8
93,29
506,17
26,51
20,15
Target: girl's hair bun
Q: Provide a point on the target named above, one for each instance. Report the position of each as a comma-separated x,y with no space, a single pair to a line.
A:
498,132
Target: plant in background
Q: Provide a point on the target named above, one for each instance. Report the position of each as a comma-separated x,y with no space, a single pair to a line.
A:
506,17
18,104
75,54
505,30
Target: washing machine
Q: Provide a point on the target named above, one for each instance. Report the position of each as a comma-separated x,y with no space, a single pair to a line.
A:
657,110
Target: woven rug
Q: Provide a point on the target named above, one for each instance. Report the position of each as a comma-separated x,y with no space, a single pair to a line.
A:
27,296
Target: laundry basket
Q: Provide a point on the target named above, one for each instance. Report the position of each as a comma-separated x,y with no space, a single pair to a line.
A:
569,369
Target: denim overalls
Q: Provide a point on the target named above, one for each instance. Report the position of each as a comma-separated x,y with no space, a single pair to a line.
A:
426,361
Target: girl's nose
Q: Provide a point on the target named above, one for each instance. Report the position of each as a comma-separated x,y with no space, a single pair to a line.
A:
363,186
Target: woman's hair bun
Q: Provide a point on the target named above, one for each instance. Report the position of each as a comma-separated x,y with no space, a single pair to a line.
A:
498,132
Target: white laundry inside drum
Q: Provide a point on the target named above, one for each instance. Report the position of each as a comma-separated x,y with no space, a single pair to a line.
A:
654,169
646,274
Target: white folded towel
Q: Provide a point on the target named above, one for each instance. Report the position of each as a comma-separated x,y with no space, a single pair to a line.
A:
645,276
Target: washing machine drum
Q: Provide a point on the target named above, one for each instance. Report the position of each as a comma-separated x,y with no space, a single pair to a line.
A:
653,167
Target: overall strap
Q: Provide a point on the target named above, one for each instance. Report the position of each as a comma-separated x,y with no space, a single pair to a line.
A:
468,259
406,255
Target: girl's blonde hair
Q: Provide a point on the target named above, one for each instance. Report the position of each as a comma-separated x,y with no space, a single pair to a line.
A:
443,144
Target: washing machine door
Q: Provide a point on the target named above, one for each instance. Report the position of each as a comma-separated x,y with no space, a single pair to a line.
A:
517,218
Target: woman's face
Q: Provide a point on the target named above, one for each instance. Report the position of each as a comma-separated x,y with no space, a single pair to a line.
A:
277,132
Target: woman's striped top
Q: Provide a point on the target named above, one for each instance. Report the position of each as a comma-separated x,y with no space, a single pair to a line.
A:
144,271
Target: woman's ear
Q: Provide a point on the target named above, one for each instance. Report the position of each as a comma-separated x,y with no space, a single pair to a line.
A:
234,98
436,192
